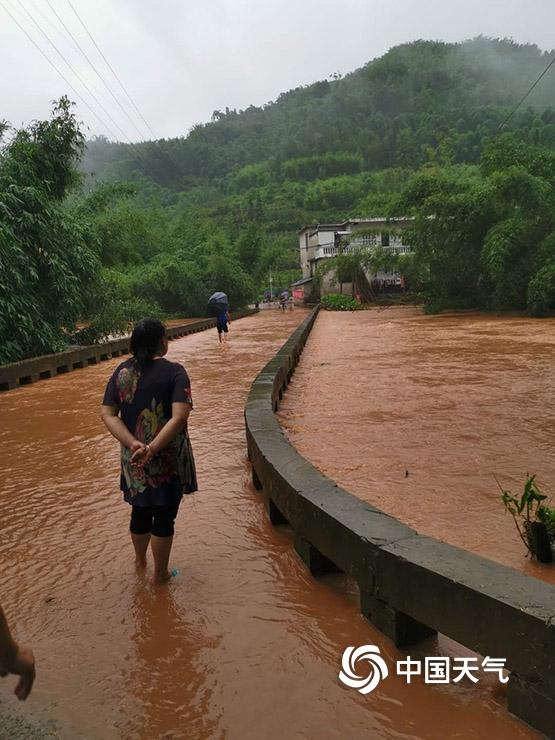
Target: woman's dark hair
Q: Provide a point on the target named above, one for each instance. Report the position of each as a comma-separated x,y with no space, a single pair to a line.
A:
146,341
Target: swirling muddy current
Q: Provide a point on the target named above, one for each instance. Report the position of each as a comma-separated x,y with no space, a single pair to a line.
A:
243,643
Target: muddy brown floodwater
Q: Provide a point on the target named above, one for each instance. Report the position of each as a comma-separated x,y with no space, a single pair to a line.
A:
419,414
244,643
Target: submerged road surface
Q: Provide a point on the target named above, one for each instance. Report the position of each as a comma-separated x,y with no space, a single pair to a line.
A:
243,643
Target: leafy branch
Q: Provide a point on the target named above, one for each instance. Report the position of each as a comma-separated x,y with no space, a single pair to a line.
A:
527,509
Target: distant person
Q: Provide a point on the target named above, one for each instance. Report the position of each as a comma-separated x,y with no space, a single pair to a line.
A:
16,660
291,302
223,320
146,407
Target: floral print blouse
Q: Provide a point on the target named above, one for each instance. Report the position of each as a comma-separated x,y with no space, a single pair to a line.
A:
144,399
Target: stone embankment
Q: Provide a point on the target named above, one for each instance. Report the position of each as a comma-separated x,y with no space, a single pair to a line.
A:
48,366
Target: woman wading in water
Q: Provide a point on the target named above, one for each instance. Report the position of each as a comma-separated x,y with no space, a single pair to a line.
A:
146,406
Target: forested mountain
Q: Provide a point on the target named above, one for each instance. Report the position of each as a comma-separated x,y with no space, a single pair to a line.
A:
389,113
156,227
343,146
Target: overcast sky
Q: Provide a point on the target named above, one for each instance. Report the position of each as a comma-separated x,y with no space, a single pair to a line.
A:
182,59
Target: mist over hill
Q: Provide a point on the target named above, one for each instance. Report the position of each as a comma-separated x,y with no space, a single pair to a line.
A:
390,113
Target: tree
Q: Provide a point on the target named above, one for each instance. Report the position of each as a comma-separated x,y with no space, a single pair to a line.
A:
452,219
48,259
482,241
224,272
249,247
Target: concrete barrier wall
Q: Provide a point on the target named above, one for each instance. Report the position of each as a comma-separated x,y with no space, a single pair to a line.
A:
47,366
411,586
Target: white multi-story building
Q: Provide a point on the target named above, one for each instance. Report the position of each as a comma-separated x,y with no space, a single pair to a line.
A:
318,242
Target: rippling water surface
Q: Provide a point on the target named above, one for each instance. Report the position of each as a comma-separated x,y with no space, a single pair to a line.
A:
420,414
244,643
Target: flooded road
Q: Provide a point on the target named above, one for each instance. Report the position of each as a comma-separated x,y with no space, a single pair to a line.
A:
243,643
417,414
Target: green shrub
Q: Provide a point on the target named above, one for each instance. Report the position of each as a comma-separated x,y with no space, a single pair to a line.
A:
339,302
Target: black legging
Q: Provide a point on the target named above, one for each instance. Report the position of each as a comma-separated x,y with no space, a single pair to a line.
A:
156,520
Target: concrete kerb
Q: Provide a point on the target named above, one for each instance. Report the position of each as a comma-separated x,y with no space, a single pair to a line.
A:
519,608
48,366
410,585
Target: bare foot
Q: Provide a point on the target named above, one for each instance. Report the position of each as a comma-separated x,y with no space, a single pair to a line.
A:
158,579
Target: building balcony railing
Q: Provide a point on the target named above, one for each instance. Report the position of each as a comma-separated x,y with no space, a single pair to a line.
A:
332,250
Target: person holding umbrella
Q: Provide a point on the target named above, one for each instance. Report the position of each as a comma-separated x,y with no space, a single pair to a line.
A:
218,305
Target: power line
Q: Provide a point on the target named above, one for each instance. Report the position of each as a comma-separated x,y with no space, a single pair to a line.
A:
69,35
111,68
77,75
51,63
521,101
88,60
134,148
64,78
44,15
55,28
163,153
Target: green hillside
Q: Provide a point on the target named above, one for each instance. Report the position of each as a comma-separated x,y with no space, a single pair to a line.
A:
157,226
389,113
